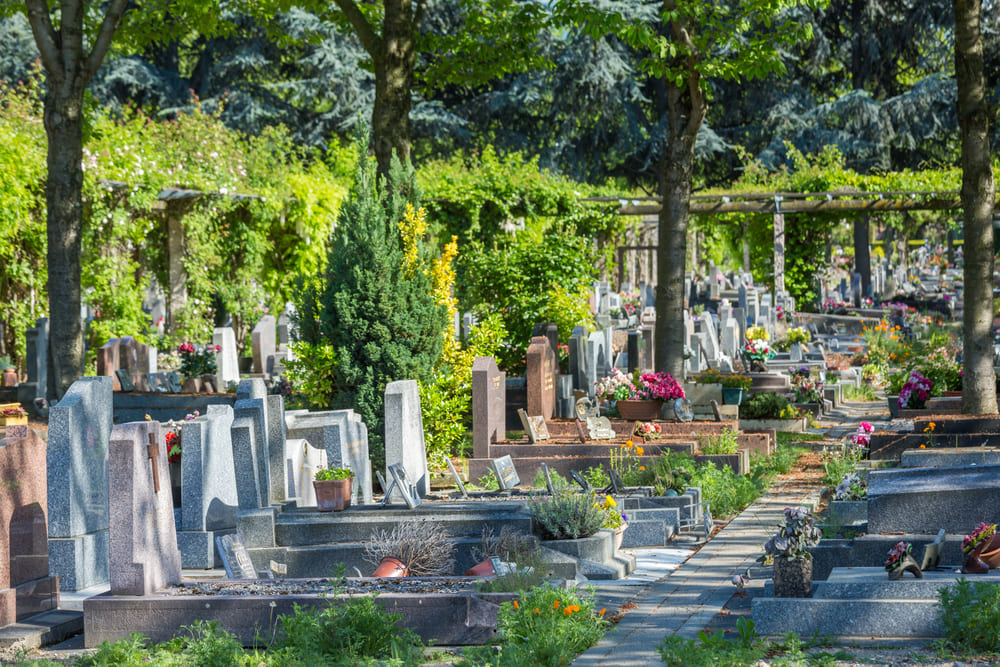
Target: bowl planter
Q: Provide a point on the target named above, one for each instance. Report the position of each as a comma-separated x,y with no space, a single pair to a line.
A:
620,535
391,567
9,377
639,410
732,395
793,577
333,495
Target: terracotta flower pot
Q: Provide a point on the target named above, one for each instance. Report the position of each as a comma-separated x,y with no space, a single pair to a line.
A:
985,557
639,410
793,577
391,567
484,569
333,495
9,377
907,564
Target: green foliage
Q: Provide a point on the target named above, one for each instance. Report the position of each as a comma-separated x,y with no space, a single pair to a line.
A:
558,481
446,401
533,277
195,362
970,613
313,373
724,443
379,315
835,466
125,652
595,476
727,492
568,515
865,392
768,405
547,627
333,473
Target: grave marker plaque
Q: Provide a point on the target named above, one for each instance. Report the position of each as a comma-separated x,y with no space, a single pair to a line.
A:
539,428
505,472
540,378
235,557
124,380
401,484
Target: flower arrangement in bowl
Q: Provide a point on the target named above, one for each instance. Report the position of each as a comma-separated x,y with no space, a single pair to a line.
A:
853,486
648,387
900,561
758,351
862,437
615,387
659,386
789,550
197,360
647,430
808,391
915,391
981,549
758,333
799,335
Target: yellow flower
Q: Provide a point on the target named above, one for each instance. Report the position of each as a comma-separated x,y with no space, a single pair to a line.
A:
609,501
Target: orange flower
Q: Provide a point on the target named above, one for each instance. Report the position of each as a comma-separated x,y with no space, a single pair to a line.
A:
536,610
602,611
628,444
642,467
923,446
638,450
516,605
555,605
568,611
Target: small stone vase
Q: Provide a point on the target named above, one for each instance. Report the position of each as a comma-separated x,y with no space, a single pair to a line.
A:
793,577
906,565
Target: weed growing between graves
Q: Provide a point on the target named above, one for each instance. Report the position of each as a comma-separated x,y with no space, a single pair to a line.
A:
836,466
558,481
724,443
711,650
568,515
547,627
865,392
970,613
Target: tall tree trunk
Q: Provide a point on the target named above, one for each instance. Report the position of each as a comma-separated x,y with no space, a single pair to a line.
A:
393,84
978,199
686,110
64,196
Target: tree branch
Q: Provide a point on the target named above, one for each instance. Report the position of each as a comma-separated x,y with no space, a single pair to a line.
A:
369,38
45,36
104,37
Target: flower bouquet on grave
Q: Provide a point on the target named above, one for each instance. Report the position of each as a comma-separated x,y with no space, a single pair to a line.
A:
758,352
615,387
981,549
658,387
799,335
915,392
647,430
900,561
197,361
788,549
808,391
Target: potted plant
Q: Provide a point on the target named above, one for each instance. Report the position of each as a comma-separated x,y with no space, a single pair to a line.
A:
640,398
757,349
789,550
616,520
411,548
12,414
333,488
915,391
499,553
734,387
981,549
197,365
9,372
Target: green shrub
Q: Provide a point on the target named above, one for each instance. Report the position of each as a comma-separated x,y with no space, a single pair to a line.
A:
345,630
863,393
727,492
313,373
764,406
970,613
568,515
724,443
558,481
548,627
133,650
374,304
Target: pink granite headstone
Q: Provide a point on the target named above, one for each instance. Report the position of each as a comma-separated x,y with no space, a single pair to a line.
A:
26,588
489,405
540,378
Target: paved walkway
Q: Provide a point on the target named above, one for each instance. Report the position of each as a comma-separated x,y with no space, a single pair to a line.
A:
685,600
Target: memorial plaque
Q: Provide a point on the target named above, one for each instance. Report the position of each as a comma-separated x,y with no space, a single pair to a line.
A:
458,480
600,428
174,383
158,382
578,478
715,410
683,410
539,428
235,557
932,553
529,426
616,485
403,485
124,380
506,475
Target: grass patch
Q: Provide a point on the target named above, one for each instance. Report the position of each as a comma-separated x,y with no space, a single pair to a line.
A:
789,439
863,393
712,650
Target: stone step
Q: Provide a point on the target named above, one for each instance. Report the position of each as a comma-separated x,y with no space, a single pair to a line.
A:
462,519
642,532
50,627
884,619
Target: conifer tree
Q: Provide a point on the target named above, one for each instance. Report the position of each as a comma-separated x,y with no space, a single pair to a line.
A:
374,305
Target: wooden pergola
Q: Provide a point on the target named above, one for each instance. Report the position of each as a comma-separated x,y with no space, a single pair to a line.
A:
778,204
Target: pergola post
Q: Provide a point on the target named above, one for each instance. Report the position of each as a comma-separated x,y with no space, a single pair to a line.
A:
176,287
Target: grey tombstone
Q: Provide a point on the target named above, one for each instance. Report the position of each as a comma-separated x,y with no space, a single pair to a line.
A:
264,341
77,478
344,438
489,405
208,485
505,472
144,554
404,433
276,434
244,443
709,338
227,363
303,461
578,359
256,410
730,338
564,396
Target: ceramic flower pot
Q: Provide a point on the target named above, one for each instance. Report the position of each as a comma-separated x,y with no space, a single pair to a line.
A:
484,569
985,557
908,564
732,395
639,410
793,577
620,535
391,567
333,495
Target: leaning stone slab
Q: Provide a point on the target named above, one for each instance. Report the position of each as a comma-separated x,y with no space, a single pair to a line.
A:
920,500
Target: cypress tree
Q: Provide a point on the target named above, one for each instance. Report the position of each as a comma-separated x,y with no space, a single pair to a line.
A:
380,318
